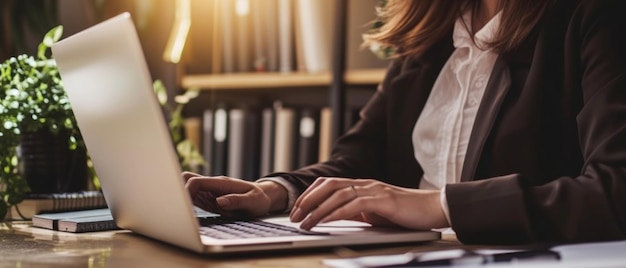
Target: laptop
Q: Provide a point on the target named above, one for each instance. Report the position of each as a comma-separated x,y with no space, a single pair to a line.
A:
109,86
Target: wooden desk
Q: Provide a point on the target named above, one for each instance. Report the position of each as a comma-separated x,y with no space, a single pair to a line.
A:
22,245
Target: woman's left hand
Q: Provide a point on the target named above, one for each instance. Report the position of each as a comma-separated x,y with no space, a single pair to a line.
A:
367,200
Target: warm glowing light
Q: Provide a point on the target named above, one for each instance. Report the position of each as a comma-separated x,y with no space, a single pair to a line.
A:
242,7
180,30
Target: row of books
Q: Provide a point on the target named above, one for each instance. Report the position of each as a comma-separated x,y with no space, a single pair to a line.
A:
248,143
229,36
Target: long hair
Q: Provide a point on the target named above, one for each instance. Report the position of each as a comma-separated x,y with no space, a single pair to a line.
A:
413,26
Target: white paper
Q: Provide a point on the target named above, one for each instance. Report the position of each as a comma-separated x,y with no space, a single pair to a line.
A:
602,254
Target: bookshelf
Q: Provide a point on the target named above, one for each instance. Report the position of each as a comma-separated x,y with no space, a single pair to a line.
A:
346,82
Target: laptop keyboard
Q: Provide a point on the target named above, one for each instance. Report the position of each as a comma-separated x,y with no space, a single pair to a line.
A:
237,229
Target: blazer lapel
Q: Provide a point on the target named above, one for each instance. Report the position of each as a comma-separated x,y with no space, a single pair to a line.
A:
495,92
408,92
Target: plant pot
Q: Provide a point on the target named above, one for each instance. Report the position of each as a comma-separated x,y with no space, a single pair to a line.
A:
49,166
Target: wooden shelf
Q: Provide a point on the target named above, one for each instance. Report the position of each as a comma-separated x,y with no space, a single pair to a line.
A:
254,80
365,76
277,80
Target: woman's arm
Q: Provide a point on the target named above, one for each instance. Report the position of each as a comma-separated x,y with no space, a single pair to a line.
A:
587,207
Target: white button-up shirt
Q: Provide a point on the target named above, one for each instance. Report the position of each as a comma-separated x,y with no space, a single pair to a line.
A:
442,132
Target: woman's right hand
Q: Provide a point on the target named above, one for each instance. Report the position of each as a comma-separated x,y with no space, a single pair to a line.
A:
233,197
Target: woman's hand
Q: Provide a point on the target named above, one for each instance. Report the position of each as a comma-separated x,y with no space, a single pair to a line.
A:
371,201
234,197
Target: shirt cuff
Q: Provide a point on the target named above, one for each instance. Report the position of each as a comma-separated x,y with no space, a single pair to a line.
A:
292,191
444,204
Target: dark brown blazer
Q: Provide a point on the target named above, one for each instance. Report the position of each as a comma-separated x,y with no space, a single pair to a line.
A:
546,160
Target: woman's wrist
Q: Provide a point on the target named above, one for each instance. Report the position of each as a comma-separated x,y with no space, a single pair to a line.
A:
437,211
277,194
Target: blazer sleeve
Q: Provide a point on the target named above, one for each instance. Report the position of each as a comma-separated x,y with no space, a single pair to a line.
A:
360,152
588,207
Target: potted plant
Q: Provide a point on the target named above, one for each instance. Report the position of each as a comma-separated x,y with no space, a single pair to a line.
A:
36,118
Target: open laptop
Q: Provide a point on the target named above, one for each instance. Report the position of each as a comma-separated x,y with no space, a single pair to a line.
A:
107,80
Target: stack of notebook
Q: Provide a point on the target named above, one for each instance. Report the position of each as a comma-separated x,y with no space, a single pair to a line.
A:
76,221
56,202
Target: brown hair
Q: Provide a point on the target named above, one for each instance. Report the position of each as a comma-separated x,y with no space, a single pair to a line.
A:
413,26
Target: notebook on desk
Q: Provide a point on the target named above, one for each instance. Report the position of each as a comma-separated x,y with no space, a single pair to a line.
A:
106,77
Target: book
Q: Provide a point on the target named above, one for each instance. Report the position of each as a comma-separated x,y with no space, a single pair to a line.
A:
56,202
326,128
271,33
216,33
242,22
299,47
252,144
284,132
308,137
207,139
266,165
243,143
236,147
285,35
315,25
219,156
228,35
101,219
87,224
259,35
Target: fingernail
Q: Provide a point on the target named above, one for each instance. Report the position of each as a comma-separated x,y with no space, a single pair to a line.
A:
296,215
223,202
306,224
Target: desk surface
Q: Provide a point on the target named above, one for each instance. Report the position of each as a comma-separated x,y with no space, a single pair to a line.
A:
22,245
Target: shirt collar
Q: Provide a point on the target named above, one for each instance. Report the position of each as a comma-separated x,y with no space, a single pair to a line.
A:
462,37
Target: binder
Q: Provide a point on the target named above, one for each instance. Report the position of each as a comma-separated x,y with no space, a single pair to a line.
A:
266,165
284,139
220,142
308,137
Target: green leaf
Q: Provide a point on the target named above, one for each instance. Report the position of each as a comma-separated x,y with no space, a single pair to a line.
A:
50,38
160,91
53,35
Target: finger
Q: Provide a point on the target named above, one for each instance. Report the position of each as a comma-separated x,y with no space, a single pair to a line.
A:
338,199
233,196
311,187
318,195
188,175
245,201
217,185
357,206
294,213
205,200
252,203
303,199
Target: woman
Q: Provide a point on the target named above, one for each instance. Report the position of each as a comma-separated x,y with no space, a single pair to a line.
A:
516,135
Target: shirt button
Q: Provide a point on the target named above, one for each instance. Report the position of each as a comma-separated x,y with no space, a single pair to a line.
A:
480,81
